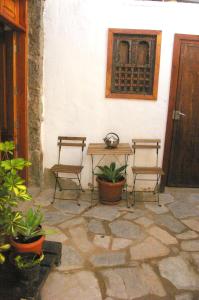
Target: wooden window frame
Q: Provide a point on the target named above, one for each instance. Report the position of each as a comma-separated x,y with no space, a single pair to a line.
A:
111,33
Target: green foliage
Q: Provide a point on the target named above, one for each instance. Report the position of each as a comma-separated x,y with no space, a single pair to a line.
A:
111,173
30,224
25,261
12,189
3,248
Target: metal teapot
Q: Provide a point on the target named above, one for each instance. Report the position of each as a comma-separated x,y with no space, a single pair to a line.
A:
111,140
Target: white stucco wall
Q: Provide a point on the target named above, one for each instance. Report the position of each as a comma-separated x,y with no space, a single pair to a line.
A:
75,54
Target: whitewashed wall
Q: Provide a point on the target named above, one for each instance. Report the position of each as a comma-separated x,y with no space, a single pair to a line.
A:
75,53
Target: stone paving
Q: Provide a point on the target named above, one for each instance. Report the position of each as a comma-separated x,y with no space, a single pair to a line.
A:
115,253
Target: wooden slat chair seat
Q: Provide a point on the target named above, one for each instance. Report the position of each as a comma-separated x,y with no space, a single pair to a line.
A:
67,169
60,169
147,145
147,170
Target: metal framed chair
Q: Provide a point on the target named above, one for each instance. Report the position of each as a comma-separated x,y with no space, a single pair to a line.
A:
139,172
63,171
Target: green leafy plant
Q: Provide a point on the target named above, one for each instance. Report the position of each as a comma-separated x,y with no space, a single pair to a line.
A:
28,260
111,173
12,189
30,224
3,248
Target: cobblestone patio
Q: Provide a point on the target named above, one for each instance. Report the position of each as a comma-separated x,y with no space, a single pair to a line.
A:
114,253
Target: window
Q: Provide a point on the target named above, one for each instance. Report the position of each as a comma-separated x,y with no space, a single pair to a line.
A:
133,64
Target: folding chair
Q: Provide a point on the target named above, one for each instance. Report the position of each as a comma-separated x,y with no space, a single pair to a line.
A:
61,171
139,172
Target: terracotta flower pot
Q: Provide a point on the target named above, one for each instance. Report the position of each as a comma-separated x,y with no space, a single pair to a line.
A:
110,193
35,246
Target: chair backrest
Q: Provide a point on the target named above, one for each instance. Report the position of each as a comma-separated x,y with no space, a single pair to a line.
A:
146,144
68,141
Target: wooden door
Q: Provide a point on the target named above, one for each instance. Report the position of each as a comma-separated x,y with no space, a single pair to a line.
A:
181,159
8,105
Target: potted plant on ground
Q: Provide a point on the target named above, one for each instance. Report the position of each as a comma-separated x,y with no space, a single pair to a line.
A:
111,181
29,236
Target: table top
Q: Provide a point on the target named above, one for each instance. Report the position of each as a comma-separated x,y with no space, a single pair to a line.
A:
101,149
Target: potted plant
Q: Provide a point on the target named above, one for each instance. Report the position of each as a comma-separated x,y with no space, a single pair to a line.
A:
29,236
111,181
27,265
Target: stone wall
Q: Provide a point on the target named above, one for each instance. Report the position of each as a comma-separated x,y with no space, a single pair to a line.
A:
35,88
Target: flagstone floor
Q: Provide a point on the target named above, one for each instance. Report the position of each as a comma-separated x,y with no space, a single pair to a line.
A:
114,253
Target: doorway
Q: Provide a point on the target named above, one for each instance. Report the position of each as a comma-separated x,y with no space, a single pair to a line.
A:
7,86
181,153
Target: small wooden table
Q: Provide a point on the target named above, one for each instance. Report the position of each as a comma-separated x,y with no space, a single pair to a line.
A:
101,150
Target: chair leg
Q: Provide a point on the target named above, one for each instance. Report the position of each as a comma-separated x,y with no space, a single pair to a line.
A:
56,183
158,189
80,189
133,191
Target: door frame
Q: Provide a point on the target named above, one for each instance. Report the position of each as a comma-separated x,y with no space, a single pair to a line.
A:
178,39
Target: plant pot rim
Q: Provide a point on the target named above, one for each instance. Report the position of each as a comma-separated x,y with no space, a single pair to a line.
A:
121,182
26,245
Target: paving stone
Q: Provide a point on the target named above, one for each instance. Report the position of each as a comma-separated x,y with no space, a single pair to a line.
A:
149,248
184,296
44,198
80,238
55,217
73,222
183,209
170,223
103,212
71,259
195,257
85,196
55,234
145,282
166,198
194,198
34,191
126,229
191,223
80,285
108,259
96,226
156,209
133,215
120,243
190,245
162,235
127,209
102,241
146,222
179,272
188,235
71,206
46,193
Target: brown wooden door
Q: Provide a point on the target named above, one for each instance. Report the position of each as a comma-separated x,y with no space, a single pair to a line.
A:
183,117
